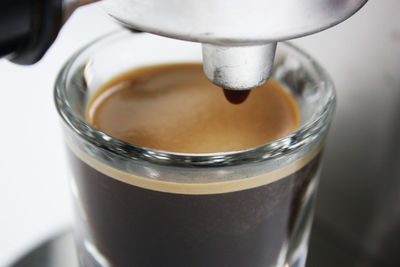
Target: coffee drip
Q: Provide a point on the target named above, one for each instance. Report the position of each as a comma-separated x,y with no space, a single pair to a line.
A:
236,96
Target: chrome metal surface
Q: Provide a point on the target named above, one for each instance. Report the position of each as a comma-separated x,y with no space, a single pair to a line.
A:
239,37
227,24
238,67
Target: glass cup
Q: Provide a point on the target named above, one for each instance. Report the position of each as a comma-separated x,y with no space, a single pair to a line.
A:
137,206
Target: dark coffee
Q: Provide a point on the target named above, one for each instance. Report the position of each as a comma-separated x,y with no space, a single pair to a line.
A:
134,227
236,97
141,222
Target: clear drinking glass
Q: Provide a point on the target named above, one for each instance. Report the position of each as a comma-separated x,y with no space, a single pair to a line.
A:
137,206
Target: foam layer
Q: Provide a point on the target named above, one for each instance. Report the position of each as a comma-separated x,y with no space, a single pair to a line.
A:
194,188
175,108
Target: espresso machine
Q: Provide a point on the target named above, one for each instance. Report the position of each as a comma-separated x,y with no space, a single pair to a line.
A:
238,37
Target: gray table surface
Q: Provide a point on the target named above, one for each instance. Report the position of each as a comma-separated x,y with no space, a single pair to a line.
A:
325,251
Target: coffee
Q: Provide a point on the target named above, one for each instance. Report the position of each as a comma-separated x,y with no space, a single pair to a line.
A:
175,108
161,225
236,97
138,221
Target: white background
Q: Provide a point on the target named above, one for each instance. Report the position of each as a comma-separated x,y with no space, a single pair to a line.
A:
34,196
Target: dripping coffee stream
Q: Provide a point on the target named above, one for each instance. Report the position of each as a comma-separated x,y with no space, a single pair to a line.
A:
236,96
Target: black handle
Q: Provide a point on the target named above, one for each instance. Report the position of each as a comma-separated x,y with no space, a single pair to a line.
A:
28,28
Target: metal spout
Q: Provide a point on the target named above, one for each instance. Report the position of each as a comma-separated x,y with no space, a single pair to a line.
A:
238,67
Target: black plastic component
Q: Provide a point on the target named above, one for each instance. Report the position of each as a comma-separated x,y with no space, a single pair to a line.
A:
15,24
28,28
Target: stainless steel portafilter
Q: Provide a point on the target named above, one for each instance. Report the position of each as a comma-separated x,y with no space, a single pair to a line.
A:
238,37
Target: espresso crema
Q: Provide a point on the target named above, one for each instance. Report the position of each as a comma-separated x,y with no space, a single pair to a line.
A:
175,108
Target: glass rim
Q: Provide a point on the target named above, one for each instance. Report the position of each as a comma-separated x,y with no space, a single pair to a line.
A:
287,144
